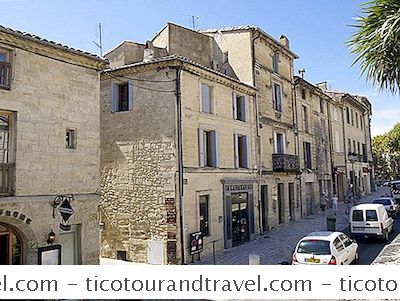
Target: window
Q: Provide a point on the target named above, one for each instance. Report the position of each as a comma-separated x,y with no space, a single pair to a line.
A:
317,247
354,146
356,120
338,244
275,62
5,127
307,155
346,240
241,151
5,69
334,113
361,122
371,216
348,115
321,105
303,94
305,119
70,139
280,143
225,57
358,148
121,97
352,116
349,145
239,107
208,153
357,216
277,97
203,210
206,99
323,129
364,153
337,141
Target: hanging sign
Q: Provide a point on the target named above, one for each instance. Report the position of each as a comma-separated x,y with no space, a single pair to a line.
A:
196,242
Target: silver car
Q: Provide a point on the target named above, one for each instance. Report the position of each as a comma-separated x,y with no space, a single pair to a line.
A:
391,206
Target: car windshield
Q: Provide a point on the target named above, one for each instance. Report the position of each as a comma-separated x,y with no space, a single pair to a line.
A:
358,216
385,202
317,247
396,186
371,216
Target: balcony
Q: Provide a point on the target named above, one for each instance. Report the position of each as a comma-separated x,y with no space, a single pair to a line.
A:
285,163
7,178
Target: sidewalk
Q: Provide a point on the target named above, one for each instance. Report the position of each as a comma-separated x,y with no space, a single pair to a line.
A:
277,245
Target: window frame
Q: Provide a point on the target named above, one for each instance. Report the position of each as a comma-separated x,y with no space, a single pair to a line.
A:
115,96
277,100
207,220
275,62
8,67
240,104
283,143
242,152
208,158
305,119
307,155
70,145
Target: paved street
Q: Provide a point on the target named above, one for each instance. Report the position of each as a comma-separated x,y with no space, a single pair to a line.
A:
277,245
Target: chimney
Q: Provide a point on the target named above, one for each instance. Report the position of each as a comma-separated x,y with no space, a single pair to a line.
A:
323,86
148,53
284,41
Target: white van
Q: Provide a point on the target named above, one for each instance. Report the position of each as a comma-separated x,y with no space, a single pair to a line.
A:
370,220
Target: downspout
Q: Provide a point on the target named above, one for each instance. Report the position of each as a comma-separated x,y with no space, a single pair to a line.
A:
180,159
259,163
297,144
344,143
330,144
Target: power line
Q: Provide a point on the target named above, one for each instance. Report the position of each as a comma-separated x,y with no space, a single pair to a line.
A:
145,80
137,86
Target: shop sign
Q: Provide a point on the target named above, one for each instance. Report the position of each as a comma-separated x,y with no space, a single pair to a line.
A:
237,187
17,215
196,242
63,202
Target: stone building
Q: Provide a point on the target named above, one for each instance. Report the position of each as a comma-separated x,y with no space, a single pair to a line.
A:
49,146
178,155
267,64
356,118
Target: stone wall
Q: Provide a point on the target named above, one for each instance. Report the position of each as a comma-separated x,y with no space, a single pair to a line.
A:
139,165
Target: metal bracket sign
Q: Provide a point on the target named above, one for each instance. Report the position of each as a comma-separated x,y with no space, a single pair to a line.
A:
63,202
196,242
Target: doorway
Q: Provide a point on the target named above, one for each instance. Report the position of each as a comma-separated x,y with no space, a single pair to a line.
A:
240,219
10,246
291,202
264,207
70,242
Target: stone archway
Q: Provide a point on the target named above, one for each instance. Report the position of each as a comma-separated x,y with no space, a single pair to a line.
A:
27,236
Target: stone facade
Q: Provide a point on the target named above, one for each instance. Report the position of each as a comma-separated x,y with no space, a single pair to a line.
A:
51,89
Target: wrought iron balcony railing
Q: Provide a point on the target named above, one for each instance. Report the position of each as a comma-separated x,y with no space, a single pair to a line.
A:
285,162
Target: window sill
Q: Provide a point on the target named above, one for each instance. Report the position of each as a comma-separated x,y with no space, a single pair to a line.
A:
242,121
121,112
8,88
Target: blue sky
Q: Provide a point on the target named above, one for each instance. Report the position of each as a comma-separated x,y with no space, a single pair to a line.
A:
317,31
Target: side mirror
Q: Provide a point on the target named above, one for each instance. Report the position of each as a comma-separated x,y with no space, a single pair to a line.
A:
354,241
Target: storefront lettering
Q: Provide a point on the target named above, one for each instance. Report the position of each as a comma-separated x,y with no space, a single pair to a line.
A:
15,214
239,187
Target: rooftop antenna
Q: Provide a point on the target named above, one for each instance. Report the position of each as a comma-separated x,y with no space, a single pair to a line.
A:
302,72
194,19
100,43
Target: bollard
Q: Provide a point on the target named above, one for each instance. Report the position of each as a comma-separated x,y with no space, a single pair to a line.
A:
254,259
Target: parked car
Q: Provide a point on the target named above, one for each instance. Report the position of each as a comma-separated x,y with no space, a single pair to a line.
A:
370,220
326,247
387,183
390,205
395,190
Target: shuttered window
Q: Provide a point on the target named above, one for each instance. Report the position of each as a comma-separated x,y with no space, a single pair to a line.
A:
277,93
241,151
206,99
239,107
208,148
122,96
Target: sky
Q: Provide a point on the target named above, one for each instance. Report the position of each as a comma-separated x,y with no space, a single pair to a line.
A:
317,30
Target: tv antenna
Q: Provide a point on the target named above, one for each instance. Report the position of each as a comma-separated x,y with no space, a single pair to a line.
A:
194,20
302,72
100,43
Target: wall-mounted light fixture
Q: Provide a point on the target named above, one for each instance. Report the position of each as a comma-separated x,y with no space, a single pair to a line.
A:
51,238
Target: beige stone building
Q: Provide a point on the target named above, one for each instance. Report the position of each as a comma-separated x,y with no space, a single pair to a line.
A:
178,141
49,146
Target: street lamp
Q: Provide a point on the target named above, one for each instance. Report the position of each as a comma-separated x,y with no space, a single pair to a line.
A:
352,158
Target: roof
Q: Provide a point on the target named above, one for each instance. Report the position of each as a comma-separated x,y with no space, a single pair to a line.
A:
367,206
324,235
182,59
248,27
37,39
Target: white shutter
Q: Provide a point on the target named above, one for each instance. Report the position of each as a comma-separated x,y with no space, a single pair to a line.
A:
236,150
234,105
246,105
130,94
201,147
214,145
205,99
113,97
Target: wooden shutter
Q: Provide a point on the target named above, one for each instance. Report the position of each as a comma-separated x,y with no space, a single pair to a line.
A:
246,151
245,105
214,148
201,147
236,150
130,94
113,97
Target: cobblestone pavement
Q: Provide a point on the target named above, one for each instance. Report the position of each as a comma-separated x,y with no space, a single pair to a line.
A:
278,244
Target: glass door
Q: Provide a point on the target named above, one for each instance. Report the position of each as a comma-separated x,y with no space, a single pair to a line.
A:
240,219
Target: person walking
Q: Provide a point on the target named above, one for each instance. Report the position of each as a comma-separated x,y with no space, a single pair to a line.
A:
323,202
335,204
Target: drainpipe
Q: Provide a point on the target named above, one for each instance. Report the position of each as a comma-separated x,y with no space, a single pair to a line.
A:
344,141
328,111
297,148
180,159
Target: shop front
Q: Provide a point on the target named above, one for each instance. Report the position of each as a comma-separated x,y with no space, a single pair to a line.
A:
239,215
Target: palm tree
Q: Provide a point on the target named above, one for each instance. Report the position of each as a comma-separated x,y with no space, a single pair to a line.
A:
376,43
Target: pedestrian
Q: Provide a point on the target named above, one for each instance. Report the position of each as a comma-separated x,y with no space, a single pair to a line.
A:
350,200
335,204
323,202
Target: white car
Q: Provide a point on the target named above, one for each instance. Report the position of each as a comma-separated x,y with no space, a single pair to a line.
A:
325,247
390,205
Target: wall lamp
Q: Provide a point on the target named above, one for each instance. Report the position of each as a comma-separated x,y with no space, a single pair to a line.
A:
51,238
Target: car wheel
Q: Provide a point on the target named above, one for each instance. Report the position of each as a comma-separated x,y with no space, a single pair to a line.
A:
356,257
386,235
